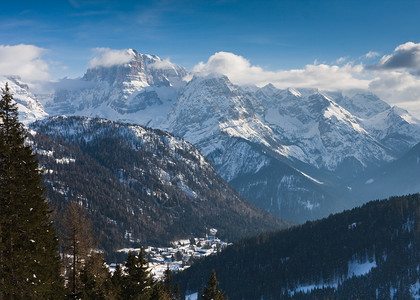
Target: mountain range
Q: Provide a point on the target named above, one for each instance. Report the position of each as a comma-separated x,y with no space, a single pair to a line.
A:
298,153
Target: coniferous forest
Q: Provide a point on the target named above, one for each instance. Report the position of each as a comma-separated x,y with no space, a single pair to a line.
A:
369,252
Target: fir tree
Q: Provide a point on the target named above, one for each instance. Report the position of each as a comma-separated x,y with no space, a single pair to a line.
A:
159,292
138,282
211,292
117,281
29,261
95,279
167,280
177,292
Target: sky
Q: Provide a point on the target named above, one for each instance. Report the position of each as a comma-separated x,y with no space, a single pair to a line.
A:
327,44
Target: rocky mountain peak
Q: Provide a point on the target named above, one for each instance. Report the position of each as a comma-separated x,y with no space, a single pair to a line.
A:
145,69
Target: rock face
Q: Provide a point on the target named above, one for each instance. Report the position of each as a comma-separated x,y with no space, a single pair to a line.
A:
296,153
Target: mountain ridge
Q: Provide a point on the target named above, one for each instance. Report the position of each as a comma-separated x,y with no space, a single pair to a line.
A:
140,185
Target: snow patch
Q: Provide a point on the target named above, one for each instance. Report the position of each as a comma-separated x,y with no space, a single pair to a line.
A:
369,181
193,296
65,160
309,177
415,290
311,287
359,269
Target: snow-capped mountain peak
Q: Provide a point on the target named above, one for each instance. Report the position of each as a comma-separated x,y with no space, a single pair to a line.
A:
139,91
30,109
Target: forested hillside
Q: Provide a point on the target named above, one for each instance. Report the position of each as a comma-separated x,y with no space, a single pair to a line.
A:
370,252
140,186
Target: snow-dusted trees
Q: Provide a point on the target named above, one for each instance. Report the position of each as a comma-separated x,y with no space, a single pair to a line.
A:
29,261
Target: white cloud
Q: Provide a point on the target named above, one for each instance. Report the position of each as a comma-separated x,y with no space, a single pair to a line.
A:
163,64
341,60
240,71
398,88
372,54
109,57
24,61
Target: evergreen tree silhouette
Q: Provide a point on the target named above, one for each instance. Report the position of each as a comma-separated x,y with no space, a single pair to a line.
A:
29,261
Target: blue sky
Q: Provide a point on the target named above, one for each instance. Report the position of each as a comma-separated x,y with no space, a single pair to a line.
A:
272,34
275,36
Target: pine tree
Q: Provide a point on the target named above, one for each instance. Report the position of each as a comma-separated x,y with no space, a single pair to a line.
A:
211,292
117,282
167,280
29,261
177,292
159,292
95,279
138,282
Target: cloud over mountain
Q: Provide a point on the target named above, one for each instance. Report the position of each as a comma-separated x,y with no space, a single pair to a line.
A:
323,76
109,57
24,61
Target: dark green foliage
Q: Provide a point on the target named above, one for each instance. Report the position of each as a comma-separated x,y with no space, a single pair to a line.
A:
167,280
29,261
95,279
159,292
137,283
210,292
274,265
117,281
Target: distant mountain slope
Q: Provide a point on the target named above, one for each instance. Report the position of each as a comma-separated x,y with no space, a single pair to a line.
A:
399,177
141,185
294,153
370,252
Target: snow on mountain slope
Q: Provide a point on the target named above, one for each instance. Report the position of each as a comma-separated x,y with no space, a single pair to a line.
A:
30,109
395,128
140,91
361,105
248,134
214,105
224,122
219,119
325,133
